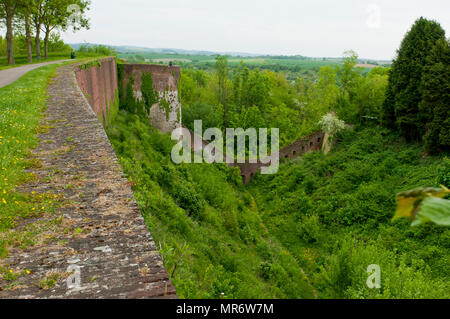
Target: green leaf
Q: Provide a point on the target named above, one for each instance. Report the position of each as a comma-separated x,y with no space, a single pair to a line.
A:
409,203
434,210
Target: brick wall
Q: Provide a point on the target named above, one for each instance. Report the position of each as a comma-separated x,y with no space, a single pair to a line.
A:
99,85
300,147
165,83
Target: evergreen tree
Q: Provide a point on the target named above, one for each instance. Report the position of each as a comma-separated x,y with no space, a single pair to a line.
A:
388,111
403,94
435,90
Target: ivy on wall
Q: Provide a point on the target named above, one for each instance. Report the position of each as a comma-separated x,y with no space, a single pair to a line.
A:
149,96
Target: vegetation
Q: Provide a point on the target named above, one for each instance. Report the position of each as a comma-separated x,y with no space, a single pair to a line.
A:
425,205
333,213
417,96
39,16
96,50
253,98
211,236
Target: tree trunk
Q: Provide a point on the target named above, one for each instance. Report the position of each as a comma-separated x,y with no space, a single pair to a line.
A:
28,36
38,41
9,36
47,36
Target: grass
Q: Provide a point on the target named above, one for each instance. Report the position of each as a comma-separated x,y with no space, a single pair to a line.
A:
21,107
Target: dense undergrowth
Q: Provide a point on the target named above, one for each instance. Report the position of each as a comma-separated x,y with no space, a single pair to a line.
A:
210,234
333,213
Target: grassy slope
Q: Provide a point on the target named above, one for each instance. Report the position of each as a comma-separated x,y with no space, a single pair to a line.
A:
333,213
229,250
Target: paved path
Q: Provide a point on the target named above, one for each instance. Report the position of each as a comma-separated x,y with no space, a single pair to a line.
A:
101,231
8,76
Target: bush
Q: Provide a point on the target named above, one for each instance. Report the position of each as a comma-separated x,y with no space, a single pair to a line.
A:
444,173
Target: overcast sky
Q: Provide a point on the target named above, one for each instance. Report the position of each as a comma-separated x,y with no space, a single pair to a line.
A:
318,28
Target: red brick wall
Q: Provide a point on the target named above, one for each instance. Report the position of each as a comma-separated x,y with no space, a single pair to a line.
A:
99,85
302,146
164,77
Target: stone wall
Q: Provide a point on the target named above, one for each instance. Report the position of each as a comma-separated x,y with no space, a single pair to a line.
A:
312,142
309,143
98,81
165,83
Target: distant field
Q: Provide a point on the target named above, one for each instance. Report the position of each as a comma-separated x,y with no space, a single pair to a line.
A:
280,64
292,67
364,65
167,60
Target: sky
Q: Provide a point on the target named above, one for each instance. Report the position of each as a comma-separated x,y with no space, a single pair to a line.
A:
315,28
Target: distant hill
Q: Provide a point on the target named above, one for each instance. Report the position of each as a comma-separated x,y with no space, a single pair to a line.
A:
125,49
137,49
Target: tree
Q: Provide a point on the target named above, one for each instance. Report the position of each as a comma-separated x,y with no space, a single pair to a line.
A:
322,96
222,76
369,94
346,74
8,9
387,109
403,92
63,14
24,12
435,90
347,79
37,10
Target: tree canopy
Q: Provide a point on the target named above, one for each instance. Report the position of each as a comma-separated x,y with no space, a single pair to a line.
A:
401,107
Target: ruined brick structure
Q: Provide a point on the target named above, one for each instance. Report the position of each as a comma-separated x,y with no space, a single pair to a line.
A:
98,82
165,83
312,142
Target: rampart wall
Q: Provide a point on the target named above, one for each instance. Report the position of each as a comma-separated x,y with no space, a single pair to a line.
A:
98,81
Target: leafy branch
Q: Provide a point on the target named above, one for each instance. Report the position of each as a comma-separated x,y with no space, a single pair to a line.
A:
423,205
